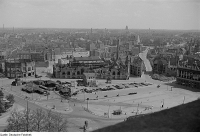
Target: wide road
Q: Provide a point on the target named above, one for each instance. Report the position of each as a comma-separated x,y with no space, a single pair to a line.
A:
78,112
143,56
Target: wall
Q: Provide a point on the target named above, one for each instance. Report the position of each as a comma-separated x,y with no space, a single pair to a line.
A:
42,64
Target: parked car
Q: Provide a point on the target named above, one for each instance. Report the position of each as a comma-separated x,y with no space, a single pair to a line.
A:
36,76
43,87
132,93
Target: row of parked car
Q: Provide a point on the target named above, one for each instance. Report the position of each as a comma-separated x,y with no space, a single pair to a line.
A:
35,89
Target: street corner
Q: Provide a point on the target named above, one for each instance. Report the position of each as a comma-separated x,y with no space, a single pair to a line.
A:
57,107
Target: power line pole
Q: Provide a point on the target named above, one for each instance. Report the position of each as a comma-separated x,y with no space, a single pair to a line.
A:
109,112
137,109
183,99
27,124
87,103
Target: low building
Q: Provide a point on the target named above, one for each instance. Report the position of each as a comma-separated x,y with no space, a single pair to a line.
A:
18,68
188,72
89,79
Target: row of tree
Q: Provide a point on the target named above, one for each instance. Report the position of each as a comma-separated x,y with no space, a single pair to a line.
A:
4,105
36,121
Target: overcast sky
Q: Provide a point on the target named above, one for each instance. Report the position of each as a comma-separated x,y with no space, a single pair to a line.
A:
136,14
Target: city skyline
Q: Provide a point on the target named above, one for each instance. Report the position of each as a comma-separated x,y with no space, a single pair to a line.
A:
110,14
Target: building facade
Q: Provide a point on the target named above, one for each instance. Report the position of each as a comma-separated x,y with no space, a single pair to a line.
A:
188,72
18,68
136,67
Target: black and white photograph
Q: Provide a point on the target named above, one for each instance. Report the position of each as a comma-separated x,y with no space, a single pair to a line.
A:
99,66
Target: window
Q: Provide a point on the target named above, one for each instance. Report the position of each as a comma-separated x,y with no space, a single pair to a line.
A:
29,68
119,72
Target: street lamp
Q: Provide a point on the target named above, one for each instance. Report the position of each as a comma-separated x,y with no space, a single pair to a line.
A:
87,103
109,112
137,109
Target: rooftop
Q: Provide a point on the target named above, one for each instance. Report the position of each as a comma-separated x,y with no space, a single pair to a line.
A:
87,58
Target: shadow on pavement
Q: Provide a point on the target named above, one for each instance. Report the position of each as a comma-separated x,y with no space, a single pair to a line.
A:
175,85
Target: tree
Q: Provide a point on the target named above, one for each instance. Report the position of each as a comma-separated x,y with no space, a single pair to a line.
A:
1,94
15,122
2,107
10,98
39,120
60,124
29,121
48,121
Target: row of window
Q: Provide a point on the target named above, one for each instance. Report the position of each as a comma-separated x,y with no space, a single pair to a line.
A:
19,75
189,75
19,69
91,77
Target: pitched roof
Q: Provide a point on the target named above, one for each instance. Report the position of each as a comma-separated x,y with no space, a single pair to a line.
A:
87,58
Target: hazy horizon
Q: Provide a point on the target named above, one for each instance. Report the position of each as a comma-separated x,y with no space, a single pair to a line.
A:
100,14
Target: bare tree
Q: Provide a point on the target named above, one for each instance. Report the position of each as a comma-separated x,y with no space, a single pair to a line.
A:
29,121
60,124
49,121
15,122
38,120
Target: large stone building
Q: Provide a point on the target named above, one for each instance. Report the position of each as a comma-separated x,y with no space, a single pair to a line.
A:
188,72
17,68
76,67
160,64
136,66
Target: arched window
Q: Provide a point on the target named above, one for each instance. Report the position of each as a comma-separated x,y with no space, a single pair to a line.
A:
118,73
82,70
113,72
63,73
78,73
